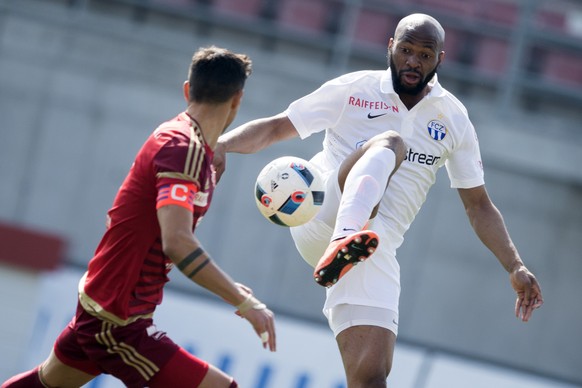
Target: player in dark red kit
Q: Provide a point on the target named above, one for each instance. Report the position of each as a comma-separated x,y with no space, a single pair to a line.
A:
149,230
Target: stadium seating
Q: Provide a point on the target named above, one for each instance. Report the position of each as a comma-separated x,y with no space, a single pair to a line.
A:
303,15
550,19
478,33
456,46
455,7
499,11
564,68
492,56
240,8
374,28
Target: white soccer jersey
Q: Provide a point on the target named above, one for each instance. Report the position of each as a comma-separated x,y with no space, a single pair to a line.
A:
357,106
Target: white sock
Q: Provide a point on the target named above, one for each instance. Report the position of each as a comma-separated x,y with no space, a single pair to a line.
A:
364,187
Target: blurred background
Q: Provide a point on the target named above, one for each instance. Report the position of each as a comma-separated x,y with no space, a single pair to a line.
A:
84,82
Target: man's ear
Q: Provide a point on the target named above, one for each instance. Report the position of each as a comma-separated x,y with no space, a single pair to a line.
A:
237,99
186,90
442,56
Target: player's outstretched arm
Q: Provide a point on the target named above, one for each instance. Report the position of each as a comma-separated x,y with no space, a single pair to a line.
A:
489,226
252,137
193,261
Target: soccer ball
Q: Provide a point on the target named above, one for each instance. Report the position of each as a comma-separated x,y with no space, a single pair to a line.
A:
289,191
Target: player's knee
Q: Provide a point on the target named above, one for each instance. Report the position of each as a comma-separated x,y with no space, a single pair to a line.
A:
396,143
388,367
377,377
377,382
370,370
391,140
369,378
374,374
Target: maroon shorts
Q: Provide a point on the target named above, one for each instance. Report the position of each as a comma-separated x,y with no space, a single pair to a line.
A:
134,353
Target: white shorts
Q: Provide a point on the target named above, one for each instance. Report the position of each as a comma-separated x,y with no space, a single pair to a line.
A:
343,316
373,283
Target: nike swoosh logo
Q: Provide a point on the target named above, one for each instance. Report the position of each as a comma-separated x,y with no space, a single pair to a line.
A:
371,116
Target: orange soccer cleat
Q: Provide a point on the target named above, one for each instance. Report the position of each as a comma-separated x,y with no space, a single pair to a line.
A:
342,254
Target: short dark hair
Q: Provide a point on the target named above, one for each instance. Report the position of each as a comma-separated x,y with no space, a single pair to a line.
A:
216,74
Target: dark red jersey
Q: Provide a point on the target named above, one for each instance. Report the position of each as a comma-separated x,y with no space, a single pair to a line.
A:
125,278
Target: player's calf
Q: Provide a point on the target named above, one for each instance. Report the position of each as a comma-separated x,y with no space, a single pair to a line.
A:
30,379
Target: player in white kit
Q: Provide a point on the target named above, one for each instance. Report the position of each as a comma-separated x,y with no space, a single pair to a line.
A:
386,135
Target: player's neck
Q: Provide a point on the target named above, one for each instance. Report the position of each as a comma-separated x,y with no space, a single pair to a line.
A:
410,100
211,118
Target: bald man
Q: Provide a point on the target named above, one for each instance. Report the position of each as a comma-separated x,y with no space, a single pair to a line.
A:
386,134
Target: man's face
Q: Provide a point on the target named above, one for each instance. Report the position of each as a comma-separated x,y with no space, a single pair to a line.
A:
413,58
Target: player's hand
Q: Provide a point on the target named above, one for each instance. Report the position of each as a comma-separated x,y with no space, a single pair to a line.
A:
219,160
263,321
529,293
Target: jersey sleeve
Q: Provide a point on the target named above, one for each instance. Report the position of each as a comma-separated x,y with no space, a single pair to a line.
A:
170,160
179,158
464,165
319,110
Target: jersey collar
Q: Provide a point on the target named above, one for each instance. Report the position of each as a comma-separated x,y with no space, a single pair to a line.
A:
196,128
387,87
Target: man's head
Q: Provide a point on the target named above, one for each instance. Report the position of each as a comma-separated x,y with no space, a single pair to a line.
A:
216,75
415,52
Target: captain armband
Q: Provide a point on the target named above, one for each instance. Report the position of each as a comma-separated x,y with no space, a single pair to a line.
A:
181,194
250,303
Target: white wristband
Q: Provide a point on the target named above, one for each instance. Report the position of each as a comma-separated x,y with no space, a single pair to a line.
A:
250,303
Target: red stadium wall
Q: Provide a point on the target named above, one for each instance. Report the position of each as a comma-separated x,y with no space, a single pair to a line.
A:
30,248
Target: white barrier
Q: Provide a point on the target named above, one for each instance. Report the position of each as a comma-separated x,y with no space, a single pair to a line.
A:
307,355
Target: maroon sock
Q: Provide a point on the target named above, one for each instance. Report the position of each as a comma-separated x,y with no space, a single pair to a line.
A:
28,379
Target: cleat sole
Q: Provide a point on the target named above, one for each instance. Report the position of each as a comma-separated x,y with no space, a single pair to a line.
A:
354,251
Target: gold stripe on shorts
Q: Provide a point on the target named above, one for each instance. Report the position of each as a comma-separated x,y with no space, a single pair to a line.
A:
128,353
